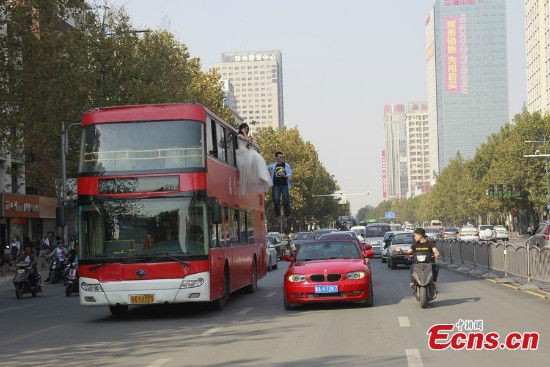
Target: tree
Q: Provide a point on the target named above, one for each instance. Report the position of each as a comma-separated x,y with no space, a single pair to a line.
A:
309,178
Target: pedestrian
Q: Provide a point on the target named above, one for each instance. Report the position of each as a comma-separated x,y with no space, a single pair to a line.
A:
280,175
46,243
15,246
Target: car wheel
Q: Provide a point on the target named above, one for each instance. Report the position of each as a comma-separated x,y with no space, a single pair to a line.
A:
393,265
288,305
369,302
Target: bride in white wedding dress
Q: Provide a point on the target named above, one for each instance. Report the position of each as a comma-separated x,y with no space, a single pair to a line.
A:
253,174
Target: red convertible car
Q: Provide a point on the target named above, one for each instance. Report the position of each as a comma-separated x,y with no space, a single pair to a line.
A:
328,271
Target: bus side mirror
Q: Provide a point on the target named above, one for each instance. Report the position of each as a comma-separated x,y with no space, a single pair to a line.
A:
216,212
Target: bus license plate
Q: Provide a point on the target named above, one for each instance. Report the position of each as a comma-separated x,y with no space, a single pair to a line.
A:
141,299
326,289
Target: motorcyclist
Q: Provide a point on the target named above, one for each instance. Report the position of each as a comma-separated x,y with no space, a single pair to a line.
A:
29,257
422,244
59,254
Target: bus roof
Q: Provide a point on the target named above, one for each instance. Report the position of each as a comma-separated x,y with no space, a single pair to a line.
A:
153,112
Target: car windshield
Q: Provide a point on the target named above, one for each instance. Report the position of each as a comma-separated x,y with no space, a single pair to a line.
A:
403,238
327,250
432,230
303,236
376,231
450,229
485,227
143,228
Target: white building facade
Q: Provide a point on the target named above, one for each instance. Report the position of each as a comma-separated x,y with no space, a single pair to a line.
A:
537,33
257,80
407,170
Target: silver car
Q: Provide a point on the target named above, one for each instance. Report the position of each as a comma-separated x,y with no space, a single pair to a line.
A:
270,254
502,233
468,234
299,238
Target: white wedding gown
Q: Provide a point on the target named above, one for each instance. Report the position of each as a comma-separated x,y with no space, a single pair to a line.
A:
253,174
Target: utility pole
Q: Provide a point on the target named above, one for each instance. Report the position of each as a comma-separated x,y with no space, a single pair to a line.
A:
545,155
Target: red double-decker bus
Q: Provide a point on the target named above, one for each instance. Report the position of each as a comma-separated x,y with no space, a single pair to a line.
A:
160,215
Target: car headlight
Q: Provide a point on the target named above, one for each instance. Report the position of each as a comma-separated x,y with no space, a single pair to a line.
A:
296,278
354,275
192,283
91,287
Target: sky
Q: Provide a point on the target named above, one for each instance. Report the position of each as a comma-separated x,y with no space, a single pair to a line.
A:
342,62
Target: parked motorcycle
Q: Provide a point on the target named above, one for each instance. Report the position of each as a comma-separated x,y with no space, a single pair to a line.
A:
423,287
22,281
71,279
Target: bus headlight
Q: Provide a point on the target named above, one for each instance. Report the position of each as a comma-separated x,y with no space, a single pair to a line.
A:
91,287
192,283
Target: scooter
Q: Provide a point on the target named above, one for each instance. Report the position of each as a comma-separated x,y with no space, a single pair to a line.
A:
56,270
423,286
22,281
71,279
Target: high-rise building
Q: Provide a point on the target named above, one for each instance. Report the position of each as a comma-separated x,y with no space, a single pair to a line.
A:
537,25
417,127
395,134
467,80
257,79
406,160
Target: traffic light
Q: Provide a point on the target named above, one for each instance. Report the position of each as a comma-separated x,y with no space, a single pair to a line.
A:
491,190
509,190
500,190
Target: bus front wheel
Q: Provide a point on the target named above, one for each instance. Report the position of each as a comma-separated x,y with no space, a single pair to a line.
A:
118,310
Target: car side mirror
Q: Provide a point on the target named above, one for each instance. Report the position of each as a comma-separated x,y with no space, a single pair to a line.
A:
369,254
287,257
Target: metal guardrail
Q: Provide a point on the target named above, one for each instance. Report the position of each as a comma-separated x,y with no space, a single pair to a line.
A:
530,262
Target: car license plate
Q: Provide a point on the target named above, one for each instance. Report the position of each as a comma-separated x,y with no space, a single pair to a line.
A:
141,299
326,289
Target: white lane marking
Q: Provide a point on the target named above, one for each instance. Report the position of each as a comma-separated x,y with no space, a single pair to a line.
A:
28,335
413,358
159,362
270,294
404,321
12,308
211,331
245,311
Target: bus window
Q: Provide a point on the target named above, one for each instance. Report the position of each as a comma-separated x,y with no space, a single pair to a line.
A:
249,220
231,146
222,142
211,146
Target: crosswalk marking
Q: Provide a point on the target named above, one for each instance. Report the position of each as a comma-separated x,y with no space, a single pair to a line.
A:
404,321
413,358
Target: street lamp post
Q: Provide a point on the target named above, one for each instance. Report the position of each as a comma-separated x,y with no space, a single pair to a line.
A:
545,156
64,152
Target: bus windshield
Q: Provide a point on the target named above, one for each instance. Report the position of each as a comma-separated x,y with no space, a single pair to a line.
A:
142,146
143,228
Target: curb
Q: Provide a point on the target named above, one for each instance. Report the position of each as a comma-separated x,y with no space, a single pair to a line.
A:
516,286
